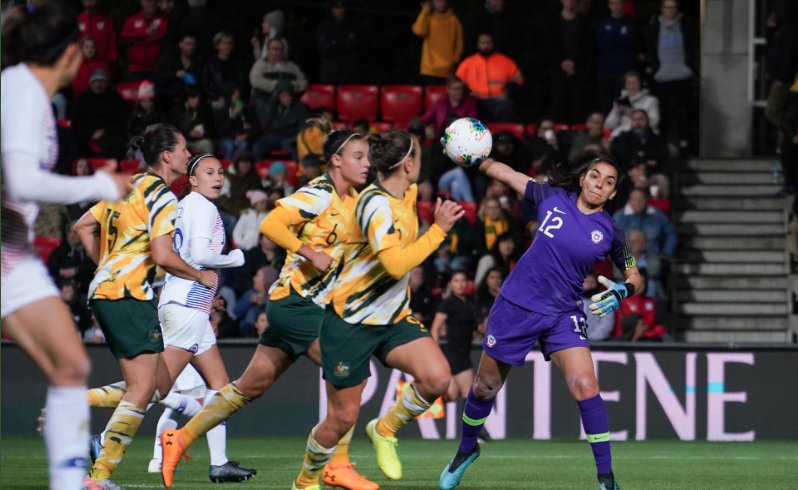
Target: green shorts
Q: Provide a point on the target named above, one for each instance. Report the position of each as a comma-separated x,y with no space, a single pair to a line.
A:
294,324
346,348
130,326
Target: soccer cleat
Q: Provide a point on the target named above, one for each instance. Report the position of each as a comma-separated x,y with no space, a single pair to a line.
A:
607,482
484,437
454,471
312,487
387,459
95,446
230,472
89,484
154,466
108,484
344,475
172,452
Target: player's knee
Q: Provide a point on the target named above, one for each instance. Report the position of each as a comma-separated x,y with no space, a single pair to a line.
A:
73,371
583,386
485,387
343,420
435,384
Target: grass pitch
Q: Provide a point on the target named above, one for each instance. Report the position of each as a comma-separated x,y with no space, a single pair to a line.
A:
511,464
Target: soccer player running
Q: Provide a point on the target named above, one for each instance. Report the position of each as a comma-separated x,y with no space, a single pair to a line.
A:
128,240
541,301
40,54
312,224
370,310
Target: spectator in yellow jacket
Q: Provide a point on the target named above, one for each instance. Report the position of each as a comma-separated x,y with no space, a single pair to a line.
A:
443,41
310,139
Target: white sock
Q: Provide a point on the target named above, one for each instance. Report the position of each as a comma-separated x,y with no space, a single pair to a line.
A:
166,422
182,404
217,438
66,435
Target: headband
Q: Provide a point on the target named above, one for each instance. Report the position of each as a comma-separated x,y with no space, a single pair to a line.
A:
192,164
409,152
341,146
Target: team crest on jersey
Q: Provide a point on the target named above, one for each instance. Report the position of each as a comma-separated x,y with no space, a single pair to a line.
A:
596,236
342,370
194,348
491,340
155,335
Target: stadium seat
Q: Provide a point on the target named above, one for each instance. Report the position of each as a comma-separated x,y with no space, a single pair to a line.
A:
129,166
470,209
262,169
516,129
279,155
226,163
129,91
561,127
578,127
64,123
357,102
43,246
433,94
381,127
318,95
607,133
401,103
340,125
401,125
470,289
531,130
98,163
424,209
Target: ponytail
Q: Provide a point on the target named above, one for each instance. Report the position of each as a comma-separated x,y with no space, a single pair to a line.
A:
389,149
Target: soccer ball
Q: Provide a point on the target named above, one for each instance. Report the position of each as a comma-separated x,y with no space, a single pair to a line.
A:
467,142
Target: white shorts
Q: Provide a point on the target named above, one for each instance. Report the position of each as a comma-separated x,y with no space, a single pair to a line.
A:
27,283
186,328
190,383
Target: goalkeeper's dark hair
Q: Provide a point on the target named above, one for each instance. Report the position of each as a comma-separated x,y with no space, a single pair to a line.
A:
156,139
335,140
38,33
567,176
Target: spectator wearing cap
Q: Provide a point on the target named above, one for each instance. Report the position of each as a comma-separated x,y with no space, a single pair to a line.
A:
633,96
443,41
230,122
240,178
222,68
278,179
640,142
618,44
267,73
177,67
590,139
458,101
638,215
272,27
146,112
337,40
89,63
143,33
282,116
245,233
99,119
194,120
311,168
310,139
493,78
100,28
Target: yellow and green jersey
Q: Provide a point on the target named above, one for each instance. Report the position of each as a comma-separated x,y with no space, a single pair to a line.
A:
126,268
324,222
365,292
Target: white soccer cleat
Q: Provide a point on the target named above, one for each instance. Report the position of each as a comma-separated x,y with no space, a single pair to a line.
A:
154,466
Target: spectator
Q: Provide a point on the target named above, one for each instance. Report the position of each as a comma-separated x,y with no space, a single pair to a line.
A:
458,102
635,178
70,262
177,67
311,168
636,319
443,41
175,12
310,139
337,41
94,334
494,78
640,142
266,74
224,324
99,119
672,52
205,24
597,328
422,302
270,28
456,250
488,290
637,215
245,233
648,262
618,45
278,179
100,28
240,178
77,306
222,68
781,62
789,146
253,301
507,149
267,255
194,120
492,223
543,146
569,45
144,33
591,139
632,97
261,324
456,183
504,257
502,27
283,115
146,112
659,190
90,63
231,122
362,127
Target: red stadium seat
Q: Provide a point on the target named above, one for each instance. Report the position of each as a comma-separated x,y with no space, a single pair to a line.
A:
532,130
129,91
516,129
400,102
470,288
262,169
64,123
319,96
561,127
470,209
340,125
433,94
129,166
226,163
43,246
607,133
98,163
357,102
401,125
381,127
279,155
424,209
578,127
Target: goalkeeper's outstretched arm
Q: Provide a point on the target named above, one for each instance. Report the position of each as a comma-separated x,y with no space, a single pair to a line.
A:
506,175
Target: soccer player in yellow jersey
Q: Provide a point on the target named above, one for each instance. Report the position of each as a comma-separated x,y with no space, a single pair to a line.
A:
313,225
370,311
128,240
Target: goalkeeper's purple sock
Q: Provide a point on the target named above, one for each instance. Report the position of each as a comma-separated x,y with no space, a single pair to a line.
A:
475,414
597,428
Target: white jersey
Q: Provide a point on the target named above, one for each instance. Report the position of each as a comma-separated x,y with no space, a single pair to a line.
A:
197,217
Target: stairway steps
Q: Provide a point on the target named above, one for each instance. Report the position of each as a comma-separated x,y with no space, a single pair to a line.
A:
768,337
725,282
732,295
728,165
729,203
708,190
738,243
735,256
720,322
733,230
746,309
759,217
729,178
744,269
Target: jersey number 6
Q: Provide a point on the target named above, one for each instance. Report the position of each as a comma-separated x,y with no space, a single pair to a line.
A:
556,224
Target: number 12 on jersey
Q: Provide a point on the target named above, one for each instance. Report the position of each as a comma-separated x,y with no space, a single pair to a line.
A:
556,224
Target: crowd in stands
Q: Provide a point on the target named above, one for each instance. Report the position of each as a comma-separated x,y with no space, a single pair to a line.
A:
619,85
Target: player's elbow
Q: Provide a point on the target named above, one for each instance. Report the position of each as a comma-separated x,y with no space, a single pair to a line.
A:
160,256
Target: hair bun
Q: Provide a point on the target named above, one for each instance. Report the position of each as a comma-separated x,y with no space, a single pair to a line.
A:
136,142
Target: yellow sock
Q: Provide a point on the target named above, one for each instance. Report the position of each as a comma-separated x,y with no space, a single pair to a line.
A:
216,410
106,396
409,406
341,454
316,456
120,431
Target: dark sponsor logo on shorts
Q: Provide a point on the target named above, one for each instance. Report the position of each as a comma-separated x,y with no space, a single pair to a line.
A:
491,340
194,348
342,370
155,335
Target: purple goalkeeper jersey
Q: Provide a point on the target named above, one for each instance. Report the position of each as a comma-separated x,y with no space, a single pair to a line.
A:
548,278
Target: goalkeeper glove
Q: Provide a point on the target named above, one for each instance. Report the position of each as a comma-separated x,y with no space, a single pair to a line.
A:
610,300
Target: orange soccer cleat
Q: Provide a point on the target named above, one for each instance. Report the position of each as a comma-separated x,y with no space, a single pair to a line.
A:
173,449
344,475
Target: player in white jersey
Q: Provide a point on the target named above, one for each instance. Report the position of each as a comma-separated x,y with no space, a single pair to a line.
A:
40,54
184,306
